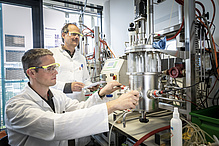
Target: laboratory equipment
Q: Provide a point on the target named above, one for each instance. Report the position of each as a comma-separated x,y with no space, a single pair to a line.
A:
115,70
170,77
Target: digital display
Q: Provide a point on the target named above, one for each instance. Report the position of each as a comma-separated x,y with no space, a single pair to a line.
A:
110,64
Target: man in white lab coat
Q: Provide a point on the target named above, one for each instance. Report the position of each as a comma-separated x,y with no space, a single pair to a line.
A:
73,74
44,116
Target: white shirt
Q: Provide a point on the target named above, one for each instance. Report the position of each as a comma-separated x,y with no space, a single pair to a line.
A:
71,70
30,121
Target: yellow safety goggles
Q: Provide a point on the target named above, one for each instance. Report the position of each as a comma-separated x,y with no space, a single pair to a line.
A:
75,34
48,68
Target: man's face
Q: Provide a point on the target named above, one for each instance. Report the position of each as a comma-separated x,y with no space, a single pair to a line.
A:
71,40
46,78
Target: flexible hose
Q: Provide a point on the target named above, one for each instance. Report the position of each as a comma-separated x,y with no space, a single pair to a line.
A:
150,134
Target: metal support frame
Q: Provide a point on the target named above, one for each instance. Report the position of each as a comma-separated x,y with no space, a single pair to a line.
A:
37,19
2,67
78,4
189,16
97,52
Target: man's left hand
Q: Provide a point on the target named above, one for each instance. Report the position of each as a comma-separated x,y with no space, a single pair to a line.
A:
109,88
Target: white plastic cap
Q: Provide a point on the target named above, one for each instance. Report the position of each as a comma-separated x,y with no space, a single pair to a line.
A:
175,112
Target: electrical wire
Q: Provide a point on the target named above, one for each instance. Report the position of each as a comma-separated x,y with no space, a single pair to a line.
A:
196,137
173,90
214,9
114,124
185,100
213,47
214,30
158,115
197,10
164,91
203,7
181,2
211,89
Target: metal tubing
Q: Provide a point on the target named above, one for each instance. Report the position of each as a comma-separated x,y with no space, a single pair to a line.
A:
97,52
150,20
170,99
189,13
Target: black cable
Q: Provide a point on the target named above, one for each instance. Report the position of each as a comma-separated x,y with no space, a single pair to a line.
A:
213,29
206,92
214,69
203,105
160,115
202,31
206,99
211,55
187,86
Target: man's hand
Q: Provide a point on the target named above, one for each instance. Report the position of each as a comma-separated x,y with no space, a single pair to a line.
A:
77,86
125,101
94,88
109,88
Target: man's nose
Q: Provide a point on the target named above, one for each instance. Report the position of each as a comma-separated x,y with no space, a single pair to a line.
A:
77,36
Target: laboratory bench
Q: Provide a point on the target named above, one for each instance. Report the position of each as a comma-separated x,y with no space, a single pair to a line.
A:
134,129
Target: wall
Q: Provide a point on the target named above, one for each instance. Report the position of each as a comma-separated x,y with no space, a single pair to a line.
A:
53,22
121,13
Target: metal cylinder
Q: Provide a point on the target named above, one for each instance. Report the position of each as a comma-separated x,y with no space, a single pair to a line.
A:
142,82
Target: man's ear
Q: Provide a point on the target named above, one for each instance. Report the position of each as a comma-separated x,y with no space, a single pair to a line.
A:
30,72
63,35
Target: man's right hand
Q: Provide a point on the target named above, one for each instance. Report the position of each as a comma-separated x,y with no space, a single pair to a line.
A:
77,86
125,101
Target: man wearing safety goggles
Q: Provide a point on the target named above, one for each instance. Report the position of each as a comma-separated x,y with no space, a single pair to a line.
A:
44,116
73,74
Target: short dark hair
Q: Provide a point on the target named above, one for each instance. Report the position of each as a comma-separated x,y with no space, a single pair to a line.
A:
65,29
31,58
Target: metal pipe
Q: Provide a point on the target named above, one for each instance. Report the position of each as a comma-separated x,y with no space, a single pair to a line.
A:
189,15
97,52
78,4
170,99
150,20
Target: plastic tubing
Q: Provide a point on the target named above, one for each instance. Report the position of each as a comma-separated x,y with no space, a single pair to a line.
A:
203,7
197,10
150,134
212,20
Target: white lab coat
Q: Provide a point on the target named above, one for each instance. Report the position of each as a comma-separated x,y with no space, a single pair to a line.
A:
71,70
31,122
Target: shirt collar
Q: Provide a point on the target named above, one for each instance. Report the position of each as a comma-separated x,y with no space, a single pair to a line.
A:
49,93
69,52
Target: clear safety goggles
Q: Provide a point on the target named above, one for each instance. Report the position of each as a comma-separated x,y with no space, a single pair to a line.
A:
51,68
74,34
